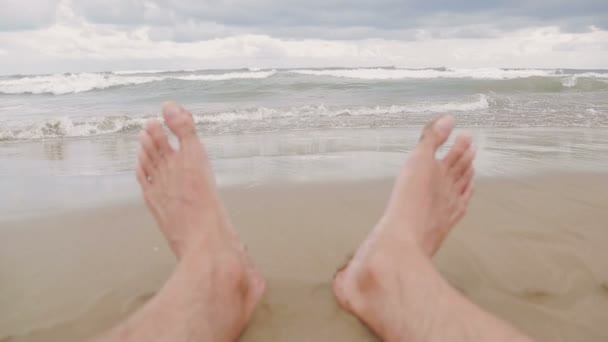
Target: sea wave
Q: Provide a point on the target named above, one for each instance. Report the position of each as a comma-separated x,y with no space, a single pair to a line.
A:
228,76
259,114
63,127
61,84
392,74
136,72
509,79
572,81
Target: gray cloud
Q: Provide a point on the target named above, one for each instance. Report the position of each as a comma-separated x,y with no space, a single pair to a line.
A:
15,15
193,20
378,14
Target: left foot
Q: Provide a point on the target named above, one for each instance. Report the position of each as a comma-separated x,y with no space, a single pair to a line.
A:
179,189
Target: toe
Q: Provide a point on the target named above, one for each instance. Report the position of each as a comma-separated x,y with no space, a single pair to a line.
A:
146,165
465,180
436,133
179,121
468,194
463,142
463,164
148,146
159,138
463,203
142,178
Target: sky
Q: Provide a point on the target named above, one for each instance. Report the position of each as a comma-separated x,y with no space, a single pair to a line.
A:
49,36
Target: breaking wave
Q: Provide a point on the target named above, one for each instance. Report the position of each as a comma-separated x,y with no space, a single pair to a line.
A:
589,79
135,72
85,127
392,74
69,83
228,76
494,79
61,84
67,127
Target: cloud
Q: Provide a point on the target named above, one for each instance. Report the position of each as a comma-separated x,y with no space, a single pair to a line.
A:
296,19
94,48
159,34
15,15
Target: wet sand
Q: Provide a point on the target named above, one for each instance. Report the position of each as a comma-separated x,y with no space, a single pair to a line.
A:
532,250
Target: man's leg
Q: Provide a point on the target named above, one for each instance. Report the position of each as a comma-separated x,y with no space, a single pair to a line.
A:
391,284
214,288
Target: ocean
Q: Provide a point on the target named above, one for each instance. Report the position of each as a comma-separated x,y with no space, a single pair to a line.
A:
71,139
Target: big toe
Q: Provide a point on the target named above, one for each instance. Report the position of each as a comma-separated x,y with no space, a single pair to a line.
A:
437,132
179,121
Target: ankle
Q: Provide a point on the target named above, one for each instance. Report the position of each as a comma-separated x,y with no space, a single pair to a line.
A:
202,241
400,238
368,286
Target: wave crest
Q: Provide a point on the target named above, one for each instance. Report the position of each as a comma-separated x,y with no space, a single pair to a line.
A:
393,74
228,76
61,84
66,127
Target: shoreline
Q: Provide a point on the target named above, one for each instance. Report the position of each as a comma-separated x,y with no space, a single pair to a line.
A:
531,250
134,199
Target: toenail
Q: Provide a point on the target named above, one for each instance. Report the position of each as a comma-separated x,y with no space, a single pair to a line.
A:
445,124
172,108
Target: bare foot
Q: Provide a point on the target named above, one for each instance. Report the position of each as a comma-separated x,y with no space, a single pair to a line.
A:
179,188
430,196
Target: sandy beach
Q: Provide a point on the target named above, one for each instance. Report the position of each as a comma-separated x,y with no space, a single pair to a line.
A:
531,250
307,111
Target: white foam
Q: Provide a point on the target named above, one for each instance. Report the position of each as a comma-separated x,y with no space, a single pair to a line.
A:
60,84
570,81
60,127
391,74
592,75
591,111
135,72
228,76
263,113
480,104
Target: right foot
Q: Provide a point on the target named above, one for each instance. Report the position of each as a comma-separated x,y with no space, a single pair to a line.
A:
179,189
429,198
